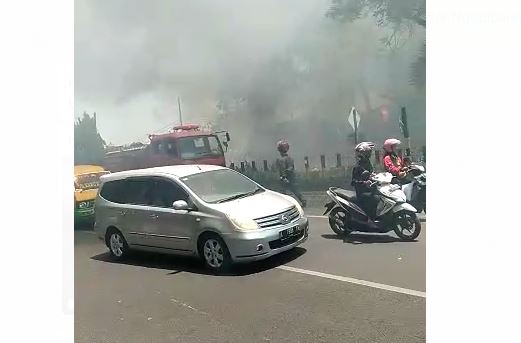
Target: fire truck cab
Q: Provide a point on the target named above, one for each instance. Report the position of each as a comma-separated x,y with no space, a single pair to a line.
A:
186,144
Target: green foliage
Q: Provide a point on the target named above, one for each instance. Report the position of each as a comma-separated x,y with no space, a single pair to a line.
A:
89,147
393,13
418,68
400,16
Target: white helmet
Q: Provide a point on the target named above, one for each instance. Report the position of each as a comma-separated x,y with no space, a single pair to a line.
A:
364,149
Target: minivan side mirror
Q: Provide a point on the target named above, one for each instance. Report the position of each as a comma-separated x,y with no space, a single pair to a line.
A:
180,205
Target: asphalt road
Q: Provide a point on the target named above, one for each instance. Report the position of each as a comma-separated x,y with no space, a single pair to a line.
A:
161,298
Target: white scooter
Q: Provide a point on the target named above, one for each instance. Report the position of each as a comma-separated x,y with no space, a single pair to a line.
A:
415,191
392,211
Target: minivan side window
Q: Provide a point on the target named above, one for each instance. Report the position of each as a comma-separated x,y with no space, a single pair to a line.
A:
165,192
138,191
114,191
134,191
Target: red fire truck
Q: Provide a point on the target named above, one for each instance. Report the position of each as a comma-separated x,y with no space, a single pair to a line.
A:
186,144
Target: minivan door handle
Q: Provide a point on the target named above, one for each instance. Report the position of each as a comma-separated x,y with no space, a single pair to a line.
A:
153,216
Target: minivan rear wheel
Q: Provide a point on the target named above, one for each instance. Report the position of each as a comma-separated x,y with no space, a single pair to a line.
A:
214,252
117,244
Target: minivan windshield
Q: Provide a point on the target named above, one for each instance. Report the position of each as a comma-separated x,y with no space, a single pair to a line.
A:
221,185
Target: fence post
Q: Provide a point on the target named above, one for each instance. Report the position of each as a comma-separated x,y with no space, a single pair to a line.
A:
306,164
232,166
253,166
338,160
242,166
323,161
265,165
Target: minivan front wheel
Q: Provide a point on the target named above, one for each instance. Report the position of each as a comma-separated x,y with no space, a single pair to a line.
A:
214,252
117,244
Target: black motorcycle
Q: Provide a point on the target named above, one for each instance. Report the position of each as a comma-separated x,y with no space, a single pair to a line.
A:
393,213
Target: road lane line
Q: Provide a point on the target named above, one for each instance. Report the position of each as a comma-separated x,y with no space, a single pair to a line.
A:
356,281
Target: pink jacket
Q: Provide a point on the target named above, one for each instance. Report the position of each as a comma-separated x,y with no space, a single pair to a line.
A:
393,168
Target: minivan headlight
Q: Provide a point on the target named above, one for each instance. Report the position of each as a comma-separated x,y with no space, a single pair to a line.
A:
242,223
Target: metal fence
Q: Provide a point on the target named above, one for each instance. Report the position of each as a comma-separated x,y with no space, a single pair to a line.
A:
331,171
326,162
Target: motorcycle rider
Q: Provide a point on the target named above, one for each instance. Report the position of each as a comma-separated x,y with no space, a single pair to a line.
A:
360,177
392,162
286,168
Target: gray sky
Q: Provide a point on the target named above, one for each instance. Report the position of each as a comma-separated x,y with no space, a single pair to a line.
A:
133,58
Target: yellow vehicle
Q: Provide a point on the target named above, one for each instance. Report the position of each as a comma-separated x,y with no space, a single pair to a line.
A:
86,183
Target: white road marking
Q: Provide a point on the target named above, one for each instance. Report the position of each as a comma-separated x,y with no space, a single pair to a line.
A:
356,281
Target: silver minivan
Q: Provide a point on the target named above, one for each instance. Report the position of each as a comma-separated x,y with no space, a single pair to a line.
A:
208,211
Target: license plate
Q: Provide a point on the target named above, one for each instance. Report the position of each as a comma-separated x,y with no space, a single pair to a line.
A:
292,231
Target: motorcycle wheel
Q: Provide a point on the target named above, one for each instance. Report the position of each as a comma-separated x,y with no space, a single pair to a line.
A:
407,225
337,221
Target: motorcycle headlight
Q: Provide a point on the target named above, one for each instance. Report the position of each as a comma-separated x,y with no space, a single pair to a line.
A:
242,223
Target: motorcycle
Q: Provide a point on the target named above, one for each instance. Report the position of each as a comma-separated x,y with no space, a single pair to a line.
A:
393,213
415,190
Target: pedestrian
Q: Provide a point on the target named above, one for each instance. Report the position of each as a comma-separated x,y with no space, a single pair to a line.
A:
286,168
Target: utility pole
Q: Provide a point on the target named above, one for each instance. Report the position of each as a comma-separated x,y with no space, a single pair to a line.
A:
404,126
355,112
180,114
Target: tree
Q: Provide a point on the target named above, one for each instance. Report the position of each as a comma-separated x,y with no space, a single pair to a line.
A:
400,16
89,147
